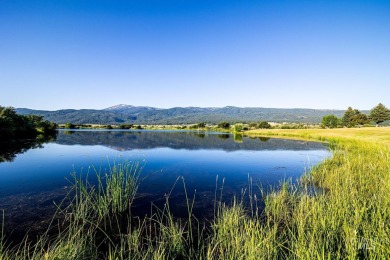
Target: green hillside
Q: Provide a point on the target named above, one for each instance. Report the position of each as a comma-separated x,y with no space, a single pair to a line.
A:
180,115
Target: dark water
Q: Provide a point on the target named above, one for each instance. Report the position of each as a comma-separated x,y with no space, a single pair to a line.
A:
32,180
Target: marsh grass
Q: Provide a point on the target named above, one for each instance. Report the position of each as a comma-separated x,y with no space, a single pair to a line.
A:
346,216
3,250
351,218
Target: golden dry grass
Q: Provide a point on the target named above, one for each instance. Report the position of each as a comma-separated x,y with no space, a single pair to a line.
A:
378,135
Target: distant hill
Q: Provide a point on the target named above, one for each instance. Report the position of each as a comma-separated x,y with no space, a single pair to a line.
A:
180,115
128,109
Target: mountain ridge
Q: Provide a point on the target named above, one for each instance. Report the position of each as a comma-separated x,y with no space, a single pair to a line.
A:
122,113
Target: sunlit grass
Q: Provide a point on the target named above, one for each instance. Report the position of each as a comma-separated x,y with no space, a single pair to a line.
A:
351,218
378,135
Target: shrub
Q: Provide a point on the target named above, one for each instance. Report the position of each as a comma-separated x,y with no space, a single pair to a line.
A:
224,125
126,126
69,126
264,125
330,121
238,127
252,125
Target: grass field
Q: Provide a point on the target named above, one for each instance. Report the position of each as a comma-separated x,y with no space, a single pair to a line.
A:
377,135
347,218
351,219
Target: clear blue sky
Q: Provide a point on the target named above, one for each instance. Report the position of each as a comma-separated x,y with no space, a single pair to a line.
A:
287,54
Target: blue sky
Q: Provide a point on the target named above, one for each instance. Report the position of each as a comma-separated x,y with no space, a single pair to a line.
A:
285,54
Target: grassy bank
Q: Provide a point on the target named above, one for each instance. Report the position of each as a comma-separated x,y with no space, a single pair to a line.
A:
351,219
348,216
374,135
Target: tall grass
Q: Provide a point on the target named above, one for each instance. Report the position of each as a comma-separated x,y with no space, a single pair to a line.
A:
91,222
2,247
349,218
346,216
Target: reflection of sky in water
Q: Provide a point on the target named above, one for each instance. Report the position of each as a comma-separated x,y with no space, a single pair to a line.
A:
205,158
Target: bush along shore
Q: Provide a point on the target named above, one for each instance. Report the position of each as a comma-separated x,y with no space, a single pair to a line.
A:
347,216
17,127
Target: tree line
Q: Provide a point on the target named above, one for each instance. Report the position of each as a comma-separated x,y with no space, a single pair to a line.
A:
15,126
353,117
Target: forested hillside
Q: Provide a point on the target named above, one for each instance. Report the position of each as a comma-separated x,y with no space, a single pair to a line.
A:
180,115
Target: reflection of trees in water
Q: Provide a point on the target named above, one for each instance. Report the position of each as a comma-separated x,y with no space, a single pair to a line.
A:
130,140
9,150
238,138
200,135
264,139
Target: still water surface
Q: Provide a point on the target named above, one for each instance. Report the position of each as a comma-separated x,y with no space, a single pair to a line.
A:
33,179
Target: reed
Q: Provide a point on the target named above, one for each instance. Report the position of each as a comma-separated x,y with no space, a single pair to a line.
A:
3,250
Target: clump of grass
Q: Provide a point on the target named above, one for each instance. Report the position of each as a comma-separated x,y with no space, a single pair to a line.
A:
92,222
117,192
3,250
238,235
98,223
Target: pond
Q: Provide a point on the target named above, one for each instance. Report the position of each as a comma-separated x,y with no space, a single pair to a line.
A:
31,180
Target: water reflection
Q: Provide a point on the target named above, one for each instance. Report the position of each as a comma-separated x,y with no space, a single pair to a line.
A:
10,149
37,177
238,138
224,136
130,140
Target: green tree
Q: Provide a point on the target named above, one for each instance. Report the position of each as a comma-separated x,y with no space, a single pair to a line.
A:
353,117
201,125
252,125
238,127
17,126
69,126
347,117
360,119
264,125
126,126
330,121
7,115
379,114
224,125
14,125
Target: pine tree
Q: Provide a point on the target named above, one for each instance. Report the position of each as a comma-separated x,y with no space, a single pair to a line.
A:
348,116
353,117
379,114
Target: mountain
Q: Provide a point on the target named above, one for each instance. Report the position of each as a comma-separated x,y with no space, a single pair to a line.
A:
120,114
128,109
